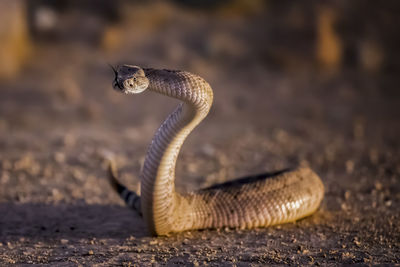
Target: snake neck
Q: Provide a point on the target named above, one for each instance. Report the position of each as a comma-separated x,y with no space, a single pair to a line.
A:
158,197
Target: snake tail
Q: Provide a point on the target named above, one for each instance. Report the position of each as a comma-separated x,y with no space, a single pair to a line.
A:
131,199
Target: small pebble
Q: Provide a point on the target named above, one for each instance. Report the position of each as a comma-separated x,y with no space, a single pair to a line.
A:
349,166
378,186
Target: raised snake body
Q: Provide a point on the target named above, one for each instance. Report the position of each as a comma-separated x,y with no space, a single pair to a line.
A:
255,201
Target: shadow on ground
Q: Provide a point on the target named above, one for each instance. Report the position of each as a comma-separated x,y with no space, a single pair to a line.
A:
44,221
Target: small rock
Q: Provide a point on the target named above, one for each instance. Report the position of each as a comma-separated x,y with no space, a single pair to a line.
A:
59,157
366,260
153,242
378,186
347,195
24,162
349,166
69,140
57,196
208,150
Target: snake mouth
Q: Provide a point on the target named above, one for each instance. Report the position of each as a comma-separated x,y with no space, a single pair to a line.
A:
115,84
117,87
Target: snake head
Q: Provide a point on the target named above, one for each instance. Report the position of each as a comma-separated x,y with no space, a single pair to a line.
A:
130,79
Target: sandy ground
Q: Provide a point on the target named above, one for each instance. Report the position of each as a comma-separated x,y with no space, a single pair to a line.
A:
59,121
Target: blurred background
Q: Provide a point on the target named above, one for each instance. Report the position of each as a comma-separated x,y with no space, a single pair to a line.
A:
322,72
54,55
313,76
312,83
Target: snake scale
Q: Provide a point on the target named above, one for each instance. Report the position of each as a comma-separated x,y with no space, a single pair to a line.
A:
255,201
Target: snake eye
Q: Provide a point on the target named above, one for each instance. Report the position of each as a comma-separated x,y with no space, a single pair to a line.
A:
128,83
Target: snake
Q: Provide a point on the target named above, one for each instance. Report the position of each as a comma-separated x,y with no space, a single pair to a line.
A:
249,202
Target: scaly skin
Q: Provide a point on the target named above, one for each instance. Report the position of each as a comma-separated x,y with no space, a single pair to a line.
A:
257,201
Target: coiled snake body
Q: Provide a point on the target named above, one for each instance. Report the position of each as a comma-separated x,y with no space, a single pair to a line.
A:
255,201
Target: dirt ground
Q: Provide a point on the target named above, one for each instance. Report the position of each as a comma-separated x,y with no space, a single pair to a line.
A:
60,118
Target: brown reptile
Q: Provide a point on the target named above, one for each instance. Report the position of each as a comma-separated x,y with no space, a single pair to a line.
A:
255,201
